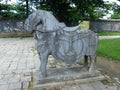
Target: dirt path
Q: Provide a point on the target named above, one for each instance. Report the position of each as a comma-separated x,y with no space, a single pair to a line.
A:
110,68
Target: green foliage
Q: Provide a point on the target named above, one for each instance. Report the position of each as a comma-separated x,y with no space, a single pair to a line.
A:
8,14
82,10
5,6
20,11
116,9
12,11
109,48
68,11
116,15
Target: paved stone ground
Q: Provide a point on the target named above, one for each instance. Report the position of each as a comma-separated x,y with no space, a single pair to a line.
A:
18,61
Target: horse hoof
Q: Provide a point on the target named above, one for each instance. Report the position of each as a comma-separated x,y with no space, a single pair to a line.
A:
42,75
91,70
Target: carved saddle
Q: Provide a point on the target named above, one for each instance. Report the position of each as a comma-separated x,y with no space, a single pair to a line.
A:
70,44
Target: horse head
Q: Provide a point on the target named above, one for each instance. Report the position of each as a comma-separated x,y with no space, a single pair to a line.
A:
41,20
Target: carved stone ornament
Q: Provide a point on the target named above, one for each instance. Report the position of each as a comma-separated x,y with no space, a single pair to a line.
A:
67,44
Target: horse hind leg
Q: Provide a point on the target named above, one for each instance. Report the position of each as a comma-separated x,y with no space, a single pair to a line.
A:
92,60
85,61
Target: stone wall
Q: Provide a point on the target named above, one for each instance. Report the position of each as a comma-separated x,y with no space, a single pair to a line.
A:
11,25
105,25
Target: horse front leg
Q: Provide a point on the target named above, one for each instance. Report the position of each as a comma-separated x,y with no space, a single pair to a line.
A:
44,59
92,60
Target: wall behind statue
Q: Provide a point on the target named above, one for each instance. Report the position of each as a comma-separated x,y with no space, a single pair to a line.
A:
105,25
11,25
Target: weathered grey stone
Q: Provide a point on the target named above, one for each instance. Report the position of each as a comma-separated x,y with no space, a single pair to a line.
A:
27,74
98,86
1,72
13,80
14,86
67,44
3,82
25,84
4,87
75,88
26,78
118,88
1,77
64,76
111,88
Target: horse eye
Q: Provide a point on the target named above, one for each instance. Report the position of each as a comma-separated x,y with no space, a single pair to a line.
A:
40,22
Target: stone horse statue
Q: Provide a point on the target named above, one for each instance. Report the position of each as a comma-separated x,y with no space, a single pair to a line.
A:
67,44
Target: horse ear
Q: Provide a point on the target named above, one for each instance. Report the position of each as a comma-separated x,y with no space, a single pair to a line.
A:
41,20
33,9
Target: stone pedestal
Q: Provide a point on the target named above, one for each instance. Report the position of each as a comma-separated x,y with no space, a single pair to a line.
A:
65,76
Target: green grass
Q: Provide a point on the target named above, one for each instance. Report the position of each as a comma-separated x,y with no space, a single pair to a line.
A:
109,48
104,33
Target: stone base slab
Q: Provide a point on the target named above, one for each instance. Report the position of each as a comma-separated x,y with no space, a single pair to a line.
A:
66,76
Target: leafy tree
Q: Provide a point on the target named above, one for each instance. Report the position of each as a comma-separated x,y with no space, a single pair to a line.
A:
12,11
71,11
27,8
68,11
116,9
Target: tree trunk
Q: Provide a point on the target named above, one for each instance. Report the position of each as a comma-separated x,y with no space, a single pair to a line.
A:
27,8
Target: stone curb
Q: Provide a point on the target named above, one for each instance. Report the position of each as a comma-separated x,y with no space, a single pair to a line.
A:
108,37
71,82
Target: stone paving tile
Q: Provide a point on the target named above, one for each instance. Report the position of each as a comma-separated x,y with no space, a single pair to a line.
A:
87,87
25,84
14,80
112,88
1,76
3,82
14,86
26,78
18,59
4,87
65,88
8,77
98,86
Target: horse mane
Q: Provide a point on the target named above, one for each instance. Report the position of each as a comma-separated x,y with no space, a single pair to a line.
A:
47,19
